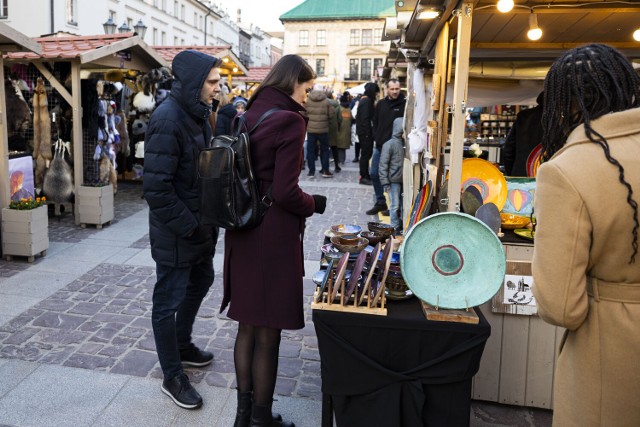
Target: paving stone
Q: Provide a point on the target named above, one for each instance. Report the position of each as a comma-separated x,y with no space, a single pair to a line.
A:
133,332
310,354
55,305
87,361
55,336
289,367
21,336
124,341
87,308
217,379
107,332
136,362
90,348
285,386
58,355
290,349
59,321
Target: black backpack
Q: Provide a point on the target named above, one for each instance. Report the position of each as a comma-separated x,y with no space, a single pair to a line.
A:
228,190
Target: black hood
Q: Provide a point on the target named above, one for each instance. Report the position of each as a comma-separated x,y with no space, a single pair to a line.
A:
190,69
371,90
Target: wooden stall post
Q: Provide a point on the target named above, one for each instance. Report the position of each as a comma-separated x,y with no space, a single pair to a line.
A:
78,166
4,145
459,105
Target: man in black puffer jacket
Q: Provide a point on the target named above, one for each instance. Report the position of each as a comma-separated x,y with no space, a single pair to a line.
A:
180,246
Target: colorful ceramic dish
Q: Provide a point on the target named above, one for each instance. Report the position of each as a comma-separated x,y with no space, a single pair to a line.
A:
340,229
487,179
533,161
511,222
353,248
520,195
381,227
527,233
452,260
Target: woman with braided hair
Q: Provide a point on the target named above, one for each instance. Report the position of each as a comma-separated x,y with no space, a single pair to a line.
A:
586,270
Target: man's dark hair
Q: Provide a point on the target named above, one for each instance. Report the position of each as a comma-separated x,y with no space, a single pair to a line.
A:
586,83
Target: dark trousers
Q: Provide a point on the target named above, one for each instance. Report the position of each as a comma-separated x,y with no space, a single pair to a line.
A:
366,150
375,177
177,296
323,138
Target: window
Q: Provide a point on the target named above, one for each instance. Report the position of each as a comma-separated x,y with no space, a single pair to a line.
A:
164,39
195,19
377,63
175,40
321,38
182,42
164,5
353,69
72,11
377,36
200,22
112,15
320,67
130,24
365,69
155,36
176,9
354,38
304,38
182,13
367,37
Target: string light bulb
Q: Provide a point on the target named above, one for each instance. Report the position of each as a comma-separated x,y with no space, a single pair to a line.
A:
636,35
534,32
505,6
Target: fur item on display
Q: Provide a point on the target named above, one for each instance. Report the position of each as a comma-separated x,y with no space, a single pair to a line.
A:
121,126
58,180
108,172
144,103
41,131
114,76
18,112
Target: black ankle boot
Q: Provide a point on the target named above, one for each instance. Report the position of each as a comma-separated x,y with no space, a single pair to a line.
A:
261,416
243,413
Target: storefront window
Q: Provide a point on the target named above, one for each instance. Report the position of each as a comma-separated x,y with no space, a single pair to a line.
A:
365,69
353,69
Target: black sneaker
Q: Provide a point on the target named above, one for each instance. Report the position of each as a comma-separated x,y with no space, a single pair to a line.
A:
193,356
377,208
385,212
326,174
338,170
311,174
366,181
356,160
179,389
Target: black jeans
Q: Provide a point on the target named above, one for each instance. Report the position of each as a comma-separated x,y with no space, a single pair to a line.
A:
366,150
177,296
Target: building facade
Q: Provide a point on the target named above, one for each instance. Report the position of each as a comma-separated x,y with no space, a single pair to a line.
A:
342,41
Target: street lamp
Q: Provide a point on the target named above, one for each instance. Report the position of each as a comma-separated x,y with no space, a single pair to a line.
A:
109,26
124,28
140,28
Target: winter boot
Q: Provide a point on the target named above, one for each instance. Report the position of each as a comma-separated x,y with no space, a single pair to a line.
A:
243,413
261,416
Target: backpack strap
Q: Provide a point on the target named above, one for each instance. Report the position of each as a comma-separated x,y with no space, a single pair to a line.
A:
261,119
242,122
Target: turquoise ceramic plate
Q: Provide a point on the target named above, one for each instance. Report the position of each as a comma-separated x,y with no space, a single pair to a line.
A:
452,260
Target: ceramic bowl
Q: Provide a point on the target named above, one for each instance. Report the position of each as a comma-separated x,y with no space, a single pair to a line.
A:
352,248
342,229
374,237
395,283
348,239
380,227
511,222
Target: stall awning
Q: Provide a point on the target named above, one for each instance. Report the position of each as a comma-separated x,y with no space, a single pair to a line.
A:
12,40
126,50
231,63
255,75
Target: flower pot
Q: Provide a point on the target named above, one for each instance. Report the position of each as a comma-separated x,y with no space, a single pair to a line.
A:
25,232
95,205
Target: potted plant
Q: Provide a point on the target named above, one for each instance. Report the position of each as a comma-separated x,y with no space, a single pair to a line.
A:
25,228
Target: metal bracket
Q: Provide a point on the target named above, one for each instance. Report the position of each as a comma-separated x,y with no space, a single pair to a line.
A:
451,108
431,61
463,13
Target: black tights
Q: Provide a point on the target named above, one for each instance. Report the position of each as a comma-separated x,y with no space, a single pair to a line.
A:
256,358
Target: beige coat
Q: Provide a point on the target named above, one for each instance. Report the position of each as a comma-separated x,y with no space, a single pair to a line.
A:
582,277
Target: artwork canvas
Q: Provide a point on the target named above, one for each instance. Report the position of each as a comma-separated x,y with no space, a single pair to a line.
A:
515,296
21,184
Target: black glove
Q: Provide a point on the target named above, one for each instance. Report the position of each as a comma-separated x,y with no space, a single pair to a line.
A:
321,203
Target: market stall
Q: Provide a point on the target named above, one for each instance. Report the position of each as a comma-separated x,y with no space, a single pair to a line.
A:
78,107
469,54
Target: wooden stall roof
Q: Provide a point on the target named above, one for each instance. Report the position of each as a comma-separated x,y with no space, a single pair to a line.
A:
12,40
230,60
125,50
255,75
503,36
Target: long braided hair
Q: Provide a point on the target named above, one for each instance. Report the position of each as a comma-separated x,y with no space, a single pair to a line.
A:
585,83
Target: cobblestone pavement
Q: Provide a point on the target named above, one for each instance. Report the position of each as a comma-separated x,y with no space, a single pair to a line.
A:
101,320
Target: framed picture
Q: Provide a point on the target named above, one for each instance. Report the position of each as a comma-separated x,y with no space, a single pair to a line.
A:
515,296
21,185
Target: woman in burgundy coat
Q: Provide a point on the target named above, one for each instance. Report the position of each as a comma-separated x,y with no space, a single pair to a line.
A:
263,267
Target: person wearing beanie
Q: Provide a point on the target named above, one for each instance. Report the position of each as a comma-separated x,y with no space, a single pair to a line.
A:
364,129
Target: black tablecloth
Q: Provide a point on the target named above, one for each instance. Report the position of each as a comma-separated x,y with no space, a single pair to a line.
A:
400,369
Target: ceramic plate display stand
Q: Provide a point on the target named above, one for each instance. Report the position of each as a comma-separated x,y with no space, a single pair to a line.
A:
95,205
25,233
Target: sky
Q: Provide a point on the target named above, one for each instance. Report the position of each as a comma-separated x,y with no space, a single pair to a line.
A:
263,13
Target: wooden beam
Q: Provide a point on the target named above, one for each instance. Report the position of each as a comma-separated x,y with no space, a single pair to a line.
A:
76,104
550,46
112,49
434,30
4,144
550,9
53,81
459,105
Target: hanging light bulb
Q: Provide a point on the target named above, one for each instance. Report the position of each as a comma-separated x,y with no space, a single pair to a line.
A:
636,35
505,6
534,32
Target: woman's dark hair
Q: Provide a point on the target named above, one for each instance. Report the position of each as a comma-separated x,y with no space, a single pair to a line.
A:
284,75
586,83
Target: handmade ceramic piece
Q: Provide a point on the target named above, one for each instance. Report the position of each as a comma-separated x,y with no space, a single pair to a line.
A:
469,200
380,227
490,215
325,279
452,260
318,277
511,222
533,161
340,229
340,271
371,266
527,233
356,247
383,269
520,195
355,277
374,237
487,179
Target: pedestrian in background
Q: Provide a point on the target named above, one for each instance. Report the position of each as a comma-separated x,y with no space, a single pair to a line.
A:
523,138
181,247
585,262
391,163
344,133
364,129
264,266
334,127
354,135
225,114
320,112
387,110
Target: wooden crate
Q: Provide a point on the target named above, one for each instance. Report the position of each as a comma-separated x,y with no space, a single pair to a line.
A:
25,232
95,205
